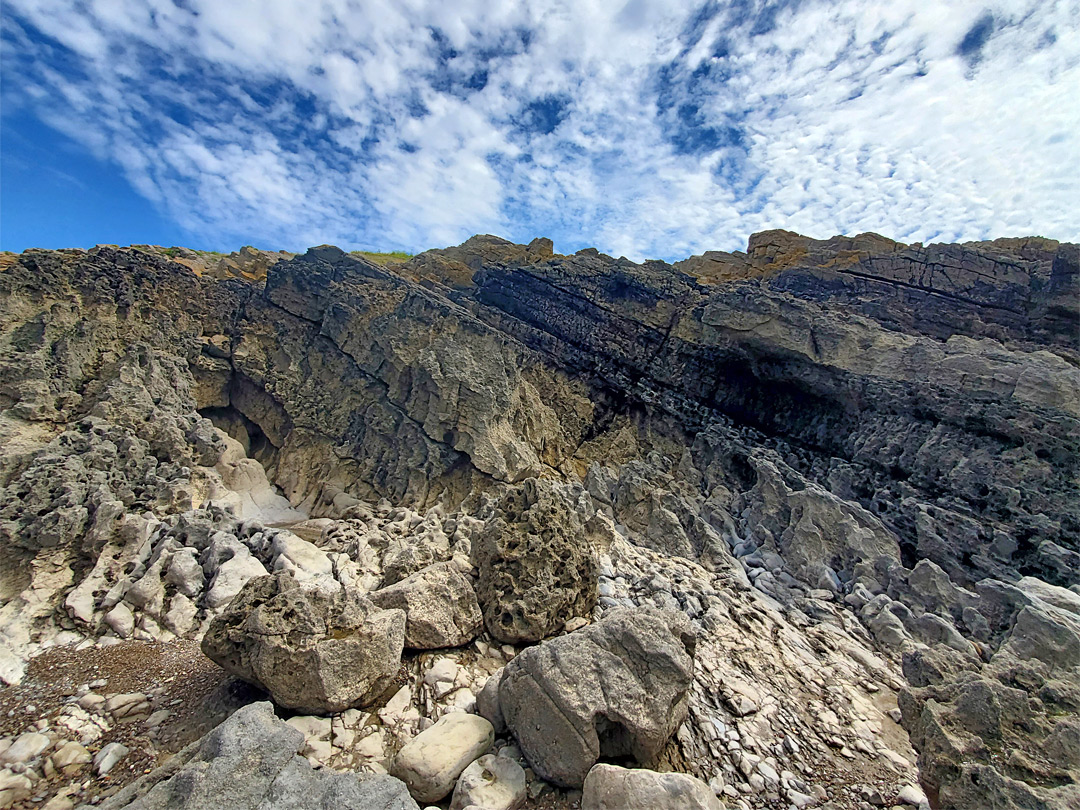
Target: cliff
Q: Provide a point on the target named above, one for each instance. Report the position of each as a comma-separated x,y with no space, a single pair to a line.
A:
851,433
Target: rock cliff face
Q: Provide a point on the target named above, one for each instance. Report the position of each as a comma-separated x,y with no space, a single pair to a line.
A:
850,456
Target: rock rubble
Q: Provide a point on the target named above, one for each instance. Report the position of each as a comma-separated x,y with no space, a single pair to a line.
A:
795,527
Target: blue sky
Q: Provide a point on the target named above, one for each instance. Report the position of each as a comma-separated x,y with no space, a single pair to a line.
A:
648,129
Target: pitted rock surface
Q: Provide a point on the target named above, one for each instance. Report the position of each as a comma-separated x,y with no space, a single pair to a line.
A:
313,650
536,570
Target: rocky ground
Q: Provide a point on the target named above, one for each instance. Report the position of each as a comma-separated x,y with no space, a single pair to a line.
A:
790,528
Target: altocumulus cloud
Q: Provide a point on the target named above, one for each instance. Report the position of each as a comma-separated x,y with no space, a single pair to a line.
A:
650,129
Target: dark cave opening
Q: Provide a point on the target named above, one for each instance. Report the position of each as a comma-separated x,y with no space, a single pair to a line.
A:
233,423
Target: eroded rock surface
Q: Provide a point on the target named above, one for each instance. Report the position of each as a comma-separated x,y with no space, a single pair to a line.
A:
314,650
617,688
850,464
537,570
440,607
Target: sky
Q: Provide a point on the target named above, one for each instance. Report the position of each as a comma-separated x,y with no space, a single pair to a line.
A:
648,129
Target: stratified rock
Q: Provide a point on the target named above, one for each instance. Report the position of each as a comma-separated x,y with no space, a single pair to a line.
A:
537,571
609,787
314,650
616,688
440,607
490,783
250,762
432,761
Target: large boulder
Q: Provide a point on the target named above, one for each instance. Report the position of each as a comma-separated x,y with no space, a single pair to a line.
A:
315,650
440,607
432,761
616,688
250,762
609,787
537,571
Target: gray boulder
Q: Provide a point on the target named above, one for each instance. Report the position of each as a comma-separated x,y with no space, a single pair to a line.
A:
250,761
616,688
440,607
609,787
314,650
487,703
537,571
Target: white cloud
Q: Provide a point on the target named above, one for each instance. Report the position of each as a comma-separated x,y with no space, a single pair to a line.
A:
404,124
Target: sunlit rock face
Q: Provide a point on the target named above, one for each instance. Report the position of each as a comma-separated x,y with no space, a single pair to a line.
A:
849,465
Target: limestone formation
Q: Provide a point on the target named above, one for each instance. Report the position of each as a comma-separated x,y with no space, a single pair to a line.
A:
1003,733
617,688
313,650
536,570
440,607
849,464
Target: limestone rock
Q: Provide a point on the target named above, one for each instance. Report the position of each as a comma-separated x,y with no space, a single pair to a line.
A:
609,787
440,607
14,787
109,757
616,688
70,757
432,761
250,761
537,571
490,783
487,703
25,748
231,577
314,651
1003,734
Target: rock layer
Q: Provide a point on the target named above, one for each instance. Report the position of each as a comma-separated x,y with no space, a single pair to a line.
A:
837,455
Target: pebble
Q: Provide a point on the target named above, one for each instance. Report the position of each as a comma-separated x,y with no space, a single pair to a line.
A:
108,757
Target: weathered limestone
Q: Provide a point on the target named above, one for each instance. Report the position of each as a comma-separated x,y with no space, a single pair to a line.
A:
608,787
536,571
616,688
440,607
314,651
432,761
